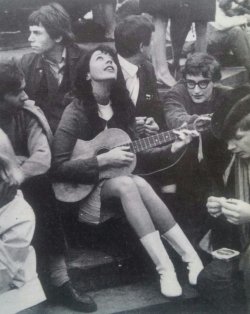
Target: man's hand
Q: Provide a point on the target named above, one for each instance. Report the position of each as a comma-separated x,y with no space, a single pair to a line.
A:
151,127
202,123
184,138
214,206
236,211
146,126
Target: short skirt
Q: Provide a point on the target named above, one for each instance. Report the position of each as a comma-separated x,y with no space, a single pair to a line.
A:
93,211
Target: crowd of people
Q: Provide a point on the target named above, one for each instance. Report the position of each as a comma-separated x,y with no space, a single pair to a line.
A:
60,105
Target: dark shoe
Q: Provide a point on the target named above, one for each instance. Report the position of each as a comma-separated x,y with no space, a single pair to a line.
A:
68,296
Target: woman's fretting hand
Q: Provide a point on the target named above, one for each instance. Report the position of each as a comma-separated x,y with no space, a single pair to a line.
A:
116,157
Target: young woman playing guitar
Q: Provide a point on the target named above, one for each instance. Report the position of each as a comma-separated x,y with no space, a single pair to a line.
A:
100,103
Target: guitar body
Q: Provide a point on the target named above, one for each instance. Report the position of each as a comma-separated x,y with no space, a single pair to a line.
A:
103,142
109,139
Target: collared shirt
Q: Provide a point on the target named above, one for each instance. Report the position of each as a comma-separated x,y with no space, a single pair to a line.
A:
57,69
105,111
129,71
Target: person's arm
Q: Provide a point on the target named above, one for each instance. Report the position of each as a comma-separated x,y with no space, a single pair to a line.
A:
167,155
175,112
236,211
224,22
63,168
39,159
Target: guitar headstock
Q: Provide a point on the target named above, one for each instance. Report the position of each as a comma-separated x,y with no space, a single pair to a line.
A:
203,123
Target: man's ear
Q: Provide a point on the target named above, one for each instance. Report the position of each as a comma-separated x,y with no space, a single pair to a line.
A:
59,39
88,76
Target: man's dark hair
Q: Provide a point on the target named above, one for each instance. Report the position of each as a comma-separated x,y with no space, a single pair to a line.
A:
11,77
243,124
202,64
55,20
131,32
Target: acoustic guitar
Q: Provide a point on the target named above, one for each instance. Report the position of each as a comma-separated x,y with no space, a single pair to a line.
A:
105,141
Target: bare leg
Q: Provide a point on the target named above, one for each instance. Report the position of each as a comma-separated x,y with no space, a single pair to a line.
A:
169,229
159,52
136,213
201,34
158,211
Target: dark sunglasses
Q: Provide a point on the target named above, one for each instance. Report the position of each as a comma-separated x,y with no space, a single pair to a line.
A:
202,84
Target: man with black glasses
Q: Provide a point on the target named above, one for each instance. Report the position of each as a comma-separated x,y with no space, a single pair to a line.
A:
196,96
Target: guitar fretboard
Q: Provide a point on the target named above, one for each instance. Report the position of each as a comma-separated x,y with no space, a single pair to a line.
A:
152,141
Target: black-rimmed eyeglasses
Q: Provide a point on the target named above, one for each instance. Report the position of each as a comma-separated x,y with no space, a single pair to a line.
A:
202,84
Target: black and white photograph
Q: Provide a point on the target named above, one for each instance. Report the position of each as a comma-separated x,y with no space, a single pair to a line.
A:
125,156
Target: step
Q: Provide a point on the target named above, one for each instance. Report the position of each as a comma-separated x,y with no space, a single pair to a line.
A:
106,255
94,269
137,298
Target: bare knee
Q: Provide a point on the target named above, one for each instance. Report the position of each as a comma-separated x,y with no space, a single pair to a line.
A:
125,185
141,183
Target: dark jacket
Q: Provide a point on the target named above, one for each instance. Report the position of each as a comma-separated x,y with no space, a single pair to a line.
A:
148,102
179,108
43,88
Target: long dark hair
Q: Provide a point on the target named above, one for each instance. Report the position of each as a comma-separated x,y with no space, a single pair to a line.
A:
121,103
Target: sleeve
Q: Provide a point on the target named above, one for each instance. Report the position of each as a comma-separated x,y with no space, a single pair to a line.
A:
175,112
224,22
84,170
39,151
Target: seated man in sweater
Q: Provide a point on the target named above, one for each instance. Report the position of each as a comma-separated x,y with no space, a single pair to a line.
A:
196,96
30,135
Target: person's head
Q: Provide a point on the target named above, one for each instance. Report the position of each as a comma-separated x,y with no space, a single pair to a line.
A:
49,25
12,84
231,121
133,36
100,65
200,73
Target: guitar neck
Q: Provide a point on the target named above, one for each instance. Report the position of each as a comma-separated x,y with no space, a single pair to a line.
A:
153,141
163,138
